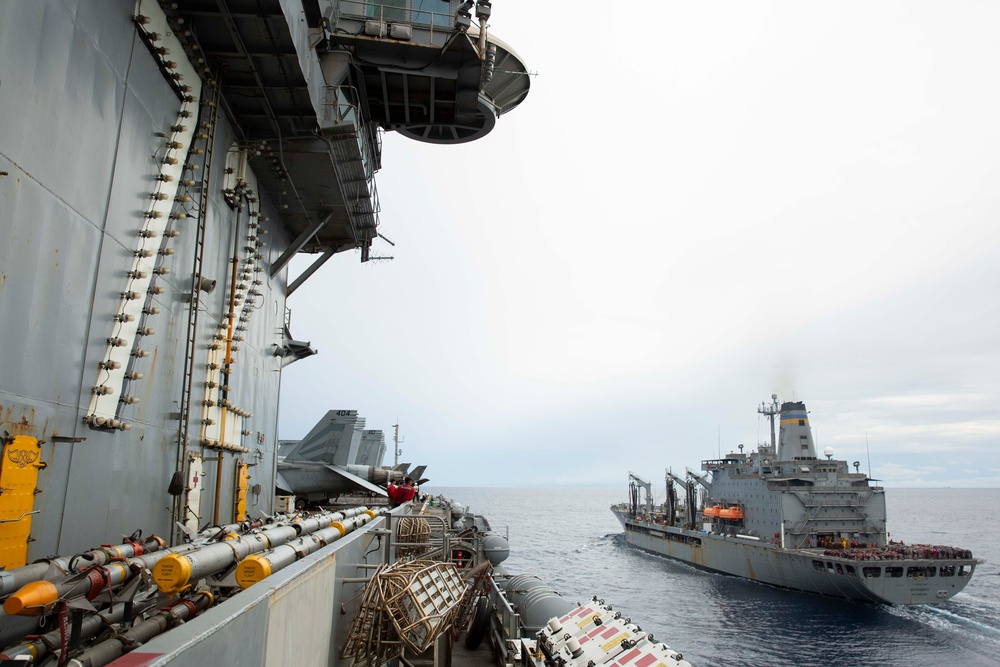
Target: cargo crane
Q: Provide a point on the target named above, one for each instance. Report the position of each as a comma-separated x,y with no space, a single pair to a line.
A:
634,484
671,499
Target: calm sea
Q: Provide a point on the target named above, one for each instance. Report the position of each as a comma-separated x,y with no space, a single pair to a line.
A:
570,539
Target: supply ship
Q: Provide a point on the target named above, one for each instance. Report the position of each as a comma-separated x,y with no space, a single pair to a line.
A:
780,515
161,164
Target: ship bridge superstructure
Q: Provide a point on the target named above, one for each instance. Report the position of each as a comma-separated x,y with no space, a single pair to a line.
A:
796,499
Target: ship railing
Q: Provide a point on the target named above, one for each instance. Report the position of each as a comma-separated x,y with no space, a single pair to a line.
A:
831,525
812,520
438,547
340,115
812,501
381,19
861,523
505,626
356,151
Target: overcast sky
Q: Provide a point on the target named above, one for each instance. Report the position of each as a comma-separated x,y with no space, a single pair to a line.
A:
699,204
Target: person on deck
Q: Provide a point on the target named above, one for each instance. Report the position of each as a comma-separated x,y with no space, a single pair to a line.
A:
400,494
408,490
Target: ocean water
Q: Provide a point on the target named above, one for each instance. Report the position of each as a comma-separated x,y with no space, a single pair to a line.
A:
570,539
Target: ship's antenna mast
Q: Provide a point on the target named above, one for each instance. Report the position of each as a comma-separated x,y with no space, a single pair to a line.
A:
396,442
869,452
770,411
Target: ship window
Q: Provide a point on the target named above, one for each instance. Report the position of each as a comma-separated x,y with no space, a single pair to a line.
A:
850,569
873,572
840,570
802,422
963,572
818,566
947,570
414,11
829,566
894,572
917,571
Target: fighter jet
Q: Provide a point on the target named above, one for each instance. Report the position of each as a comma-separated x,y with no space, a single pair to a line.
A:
337,456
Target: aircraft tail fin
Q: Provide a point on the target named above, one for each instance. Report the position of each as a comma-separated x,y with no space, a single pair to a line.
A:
331,440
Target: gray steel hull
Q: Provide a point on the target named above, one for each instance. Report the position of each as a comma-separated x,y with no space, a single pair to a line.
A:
160,166
795,569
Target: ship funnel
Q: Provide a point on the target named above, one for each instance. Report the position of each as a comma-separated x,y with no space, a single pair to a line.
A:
795,438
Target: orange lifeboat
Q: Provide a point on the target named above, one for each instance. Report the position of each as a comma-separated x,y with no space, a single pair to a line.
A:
731,513
714,512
